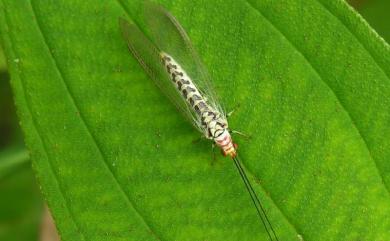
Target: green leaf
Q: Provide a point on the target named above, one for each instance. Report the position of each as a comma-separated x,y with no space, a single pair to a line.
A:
20,199
2,60
12,159
10,131
116,160
20,202
376,13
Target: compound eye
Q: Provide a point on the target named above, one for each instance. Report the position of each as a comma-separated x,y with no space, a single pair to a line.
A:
235,145
223,153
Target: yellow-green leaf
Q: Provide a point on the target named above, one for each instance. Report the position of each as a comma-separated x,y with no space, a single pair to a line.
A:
116,160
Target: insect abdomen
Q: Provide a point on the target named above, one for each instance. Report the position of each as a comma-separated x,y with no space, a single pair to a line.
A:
209,118
184,84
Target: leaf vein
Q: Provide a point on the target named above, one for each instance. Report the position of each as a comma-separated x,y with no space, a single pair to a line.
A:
323,80
354,35
288,221
43,144
87,127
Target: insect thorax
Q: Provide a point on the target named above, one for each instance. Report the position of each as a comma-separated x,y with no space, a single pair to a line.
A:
211,121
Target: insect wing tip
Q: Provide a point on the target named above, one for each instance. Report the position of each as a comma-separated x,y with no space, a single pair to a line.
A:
123,23
127,29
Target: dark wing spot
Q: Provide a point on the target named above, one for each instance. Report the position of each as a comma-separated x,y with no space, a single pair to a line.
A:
202,105
174,76
209,131
179,84
185,93
210,113
189,89
197,109
218,133
187,82
196,97
172,66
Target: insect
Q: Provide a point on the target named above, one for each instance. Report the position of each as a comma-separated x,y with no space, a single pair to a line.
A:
169,58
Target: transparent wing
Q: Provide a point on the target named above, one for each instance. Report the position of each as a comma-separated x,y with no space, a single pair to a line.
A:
148,55
170,37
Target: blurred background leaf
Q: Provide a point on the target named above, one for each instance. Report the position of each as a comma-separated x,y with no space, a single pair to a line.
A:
20,198
376,13
3,67
9,128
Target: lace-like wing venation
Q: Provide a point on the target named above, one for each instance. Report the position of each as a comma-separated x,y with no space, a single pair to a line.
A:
148,55
170,37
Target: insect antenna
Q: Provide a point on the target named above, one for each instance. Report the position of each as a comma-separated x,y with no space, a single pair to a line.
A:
260,209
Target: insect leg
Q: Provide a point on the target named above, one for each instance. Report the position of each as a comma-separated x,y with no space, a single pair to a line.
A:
233,110
213,152
197,140
241,134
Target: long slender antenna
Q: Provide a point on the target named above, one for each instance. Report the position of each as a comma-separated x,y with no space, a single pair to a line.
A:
260,209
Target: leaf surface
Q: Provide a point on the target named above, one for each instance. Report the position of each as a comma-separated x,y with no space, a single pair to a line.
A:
116,160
